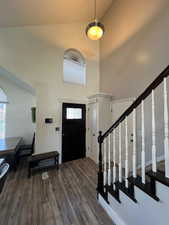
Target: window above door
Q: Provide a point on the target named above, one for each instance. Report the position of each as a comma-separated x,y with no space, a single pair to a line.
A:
74,67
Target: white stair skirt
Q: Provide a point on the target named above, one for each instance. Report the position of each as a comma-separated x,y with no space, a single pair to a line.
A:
146,211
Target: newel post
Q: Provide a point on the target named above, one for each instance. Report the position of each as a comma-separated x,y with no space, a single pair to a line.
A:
100,187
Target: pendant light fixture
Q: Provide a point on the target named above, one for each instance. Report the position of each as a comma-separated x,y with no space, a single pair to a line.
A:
95,29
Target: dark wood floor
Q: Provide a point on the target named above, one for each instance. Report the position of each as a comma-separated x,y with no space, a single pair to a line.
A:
67,197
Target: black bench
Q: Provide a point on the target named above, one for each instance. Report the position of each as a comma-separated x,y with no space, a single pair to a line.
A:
43,161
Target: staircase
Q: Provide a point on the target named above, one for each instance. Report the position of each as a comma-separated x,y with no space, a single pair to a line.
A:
134,195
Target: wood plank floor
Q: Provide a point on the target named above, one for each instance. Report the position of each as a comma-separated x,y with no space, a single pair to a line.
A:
67,197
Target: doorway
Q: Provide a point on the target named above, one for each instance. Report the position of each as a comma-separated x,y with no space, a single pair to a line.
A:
73,131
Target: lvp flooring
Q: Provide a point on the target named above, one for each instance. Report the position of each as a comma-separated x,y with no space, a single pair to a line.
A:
67,197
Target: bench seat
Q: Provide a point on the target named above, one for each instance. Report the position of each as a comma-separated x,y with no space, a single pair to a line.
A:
43,161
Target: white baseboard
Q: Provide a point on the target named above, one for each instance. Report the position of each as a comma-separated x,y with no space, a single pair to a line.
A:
112,214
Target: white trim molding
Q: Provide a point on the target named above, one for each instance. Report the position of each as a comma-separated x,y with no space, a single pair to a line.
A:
101,95
112,214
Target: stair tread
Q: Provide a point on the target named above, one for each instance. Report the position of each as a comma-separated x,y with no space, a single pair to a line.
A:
147,187
128,191
159,176
114,193
144,187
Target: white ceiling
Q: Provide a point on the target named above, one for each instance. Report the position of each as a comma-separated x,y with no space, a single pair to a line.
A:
39,12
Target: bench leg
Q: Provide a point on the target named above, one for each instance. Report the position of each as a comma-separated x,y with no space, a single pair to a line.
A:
29,172
57,162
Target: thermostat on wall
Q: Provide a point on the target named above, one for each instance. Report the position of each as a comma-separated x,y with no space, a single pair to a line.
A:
48,120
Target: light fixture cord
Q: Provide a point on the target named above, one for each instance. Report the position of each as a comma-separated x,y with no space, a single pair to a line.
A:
95,10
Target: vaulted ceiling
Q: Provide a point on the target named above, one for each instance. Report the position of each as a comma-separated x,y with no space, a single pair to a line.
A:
39,12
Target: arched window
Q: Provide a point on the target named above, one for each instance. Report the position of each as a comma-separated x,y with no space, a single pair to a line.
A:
3,102
74,67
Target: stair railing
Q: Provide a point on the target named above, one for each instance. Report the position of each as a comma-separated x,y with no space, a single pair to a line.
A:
108,141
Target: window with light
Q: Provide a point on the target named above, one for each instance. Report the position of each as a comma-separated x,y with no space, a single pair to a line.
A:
74,67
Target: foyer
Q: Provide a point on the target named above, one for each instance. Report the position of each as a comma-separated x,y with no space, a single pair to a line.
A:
66,197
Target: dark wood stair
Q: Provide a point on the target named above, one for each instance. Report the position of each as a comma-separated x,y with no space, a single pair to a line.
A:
159,176
128,191
149,187
114,193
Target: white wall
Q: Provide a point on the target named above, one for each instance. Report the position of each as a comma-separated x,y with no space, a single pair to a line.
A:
133,52
119,107
35,55
18,111
134,49
105,120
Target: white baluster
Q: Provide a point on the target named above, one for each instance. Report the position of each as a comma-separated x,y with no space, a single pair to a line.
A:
120,157
166,130
105,162
114,158
143,144
134,144
109,162
154,164
126,153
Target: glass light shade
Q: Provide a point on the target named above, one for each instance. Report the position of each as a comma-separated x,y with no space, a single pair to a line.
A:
95,30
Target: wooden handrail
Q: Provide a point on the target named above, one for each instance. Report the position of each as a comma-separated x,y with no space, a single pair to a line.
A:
137,102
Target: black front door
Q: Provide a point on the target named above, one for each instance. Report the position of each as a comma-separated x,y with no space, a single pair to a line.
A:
73,131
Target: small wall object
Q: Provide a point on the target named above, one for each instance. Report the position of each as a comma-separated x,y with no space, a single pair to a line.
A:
48,120
33,109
